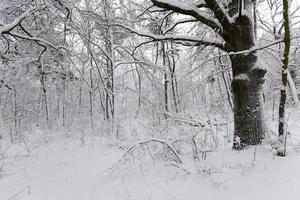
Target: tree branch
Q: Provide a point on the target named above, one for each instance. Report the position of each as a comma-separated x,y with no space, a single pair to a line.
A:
220,13
188,10
2,83
6,28
36,39
180,22
184,40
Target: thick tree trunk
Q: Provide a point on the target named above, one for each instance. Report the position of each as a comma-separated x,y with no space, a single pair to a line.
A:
248,78
247,85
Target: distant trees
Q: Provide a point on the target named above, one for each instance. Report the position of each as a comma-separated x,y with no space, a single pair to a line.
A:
273,25
32,51
83,65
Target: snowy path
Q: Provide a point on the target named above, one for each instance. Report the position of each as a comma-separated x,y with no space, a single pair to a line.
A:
66,171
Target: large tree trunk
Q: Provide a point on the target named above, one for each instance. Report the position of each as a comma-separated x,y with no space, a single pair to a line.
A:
248,78
247,85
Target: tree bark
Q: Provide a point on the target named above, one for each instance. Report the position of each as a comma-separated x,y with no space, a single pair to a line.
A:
249,125
248,79
281,151
166,81
172,77
44,93
110,65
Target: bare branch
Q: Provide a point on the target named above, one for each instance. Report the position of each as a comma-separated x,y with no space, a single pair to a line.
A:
184,40
245,52
6,28
2,83
36,39
183,21
188,10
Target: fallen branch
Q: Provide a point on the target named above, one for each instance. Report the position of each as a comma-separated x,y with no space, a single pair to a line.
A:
164,143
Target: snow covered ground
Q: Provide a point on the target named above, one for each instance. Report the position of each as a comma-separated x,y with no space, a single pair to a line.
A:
68,170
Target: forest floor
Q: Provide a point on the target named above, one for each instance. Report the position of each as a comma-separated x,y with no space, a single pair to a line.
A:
67,170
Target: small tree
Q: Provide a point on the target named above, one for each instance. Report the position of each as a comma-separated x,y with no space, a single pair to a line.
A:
281,151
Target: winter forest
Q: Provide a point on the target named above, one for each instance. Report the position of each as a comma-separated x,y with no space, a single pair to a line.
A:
149,99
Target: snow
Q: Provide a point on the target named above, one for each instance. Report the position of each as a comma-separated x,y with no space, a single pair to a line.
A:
58,166
61,170
186,8
241,77
293,90
67,170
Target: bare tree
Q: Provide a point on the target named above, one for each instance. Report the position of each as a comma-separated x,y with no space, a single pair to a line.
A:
285,63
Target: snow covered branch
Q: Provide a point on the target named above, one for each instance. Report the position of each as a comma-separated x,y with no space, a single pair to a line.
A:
6,28
36,39
184,40
258,48
169,150
190,10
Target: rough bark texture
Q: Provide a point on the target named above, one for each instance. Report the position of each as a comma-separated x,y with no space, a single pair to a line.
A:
248,110
248,78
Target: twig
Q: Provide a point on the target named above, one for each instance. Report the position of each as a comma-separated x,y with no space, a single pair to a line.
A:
27,188
183,169
154,140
